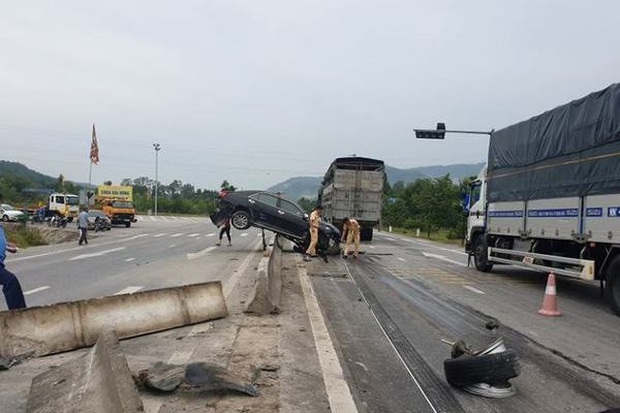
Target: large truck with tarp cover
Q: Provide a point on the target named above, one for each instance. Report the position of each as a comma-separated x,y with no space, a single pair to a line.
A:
549,197
353,187
116,202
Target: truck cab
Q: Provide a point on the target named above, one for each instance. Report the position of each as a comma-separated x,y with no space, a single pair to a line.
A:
64,205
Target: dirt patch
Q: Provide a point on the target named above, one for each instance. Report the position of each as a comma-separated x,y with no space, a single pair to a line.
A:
53,235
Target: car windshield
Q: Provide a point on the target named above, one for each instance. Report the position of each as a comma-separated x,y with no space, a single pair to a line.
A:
72,200
8,207
118,204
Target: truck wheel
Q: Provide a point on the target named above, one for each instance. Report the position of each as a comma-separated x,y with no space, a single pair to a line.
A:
481,255
489,368
366,234
612,285
127,224
241,219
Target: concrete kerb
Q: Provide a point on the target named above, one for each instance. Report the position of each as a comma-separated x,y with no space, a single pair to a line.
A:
68,326
98,382
265,296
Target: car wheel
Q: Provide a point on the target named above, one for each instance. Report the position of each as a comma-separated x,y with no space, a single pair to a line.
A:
127,224
241,219
488,368
5,218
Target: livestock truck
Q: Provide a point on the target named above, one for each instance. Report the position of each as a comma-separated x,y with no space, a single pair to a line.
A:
353,188
549,197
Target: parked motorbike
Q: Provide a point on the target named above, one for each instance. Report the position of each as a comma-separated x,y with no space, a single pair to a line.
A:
57,221
99,224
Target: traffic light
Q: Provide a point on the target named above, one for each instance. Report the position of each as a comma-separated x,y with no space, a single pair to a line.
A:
438,133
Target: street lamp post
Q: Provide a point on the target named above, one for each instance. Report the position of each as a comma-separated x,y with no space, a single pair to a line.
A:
440,131
157,148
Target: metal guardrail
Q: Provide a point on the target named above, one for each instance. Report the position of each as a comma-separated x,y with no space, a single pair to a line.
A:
585,271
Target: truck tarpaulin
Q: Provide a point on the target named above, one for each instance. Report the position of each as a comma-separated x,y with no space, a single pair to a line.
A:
572,150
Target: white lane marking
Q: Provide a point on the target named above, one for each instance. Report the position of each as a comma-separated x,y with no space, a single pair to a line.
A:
129,290
401,259
211,234
243,234
201,253
172,245
95,254
160,235
136,237
441,257
129,259
338,392
36,290
470,288
229,285
195,234
178,234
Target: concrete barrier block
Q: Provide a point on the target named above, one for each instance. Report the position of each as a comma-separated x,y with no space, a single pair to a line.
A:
265,296
67,326
98,382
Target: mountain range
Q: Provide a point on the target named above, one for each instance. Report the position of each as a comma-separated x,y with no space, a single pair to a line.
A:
308,186
296,187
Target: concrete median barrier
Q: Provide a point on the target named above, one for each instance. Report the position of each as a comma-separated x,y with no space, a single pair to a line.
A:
67,326
98,382
265,296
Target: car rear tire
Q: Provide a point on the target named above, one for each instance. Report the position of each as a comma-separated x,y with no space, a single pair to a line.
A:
5,218
241,219
488,368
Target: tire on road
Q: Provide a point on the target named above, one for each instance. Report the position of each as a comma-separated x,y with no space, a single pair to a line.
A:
489,368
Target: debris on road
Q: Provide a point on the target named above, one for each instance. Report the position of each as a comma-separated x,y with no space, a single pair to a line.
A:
165,377
483,372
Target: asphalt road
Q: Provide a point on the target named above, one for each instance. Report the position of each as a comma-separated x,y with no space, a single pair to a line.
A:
389,314
155,252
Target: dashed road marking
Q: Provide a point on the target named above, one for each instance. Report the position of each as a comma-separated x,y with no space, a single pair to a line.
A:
95,254
470,288
178,234
193,235
129,290
401,259
129,259
160,235
36,290
194,255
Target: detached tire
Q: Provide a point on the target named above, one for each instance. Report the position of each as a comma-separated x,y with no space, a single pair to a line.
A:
241,219
488,368
612,285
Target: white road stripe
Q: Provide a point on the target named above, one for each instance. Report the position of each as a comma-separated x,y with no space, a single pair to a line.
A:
178,234
129,290
470,288
201,253
211,234
129,259
401,259
195,234
172,245
36,290
95,254
338,392
160,235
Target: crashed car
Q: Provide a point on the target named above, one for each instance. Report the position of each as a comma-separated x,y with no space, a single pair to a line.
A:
262,209
98,221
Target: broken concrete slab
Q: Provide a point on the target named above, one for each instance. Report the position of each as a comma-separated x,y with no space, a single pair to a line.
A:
163,377
98,382
67,326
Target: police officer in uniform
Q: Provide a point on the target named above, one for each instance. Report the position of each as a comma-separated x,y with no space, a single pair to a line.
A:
313,222
351,230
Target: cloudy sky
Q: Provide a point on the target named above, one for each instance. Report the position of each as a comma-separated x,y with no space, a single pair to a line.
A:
256,92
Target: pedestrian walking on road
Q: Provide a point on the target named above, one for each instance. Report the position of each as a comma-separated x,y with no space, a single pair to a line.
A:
83,226
11,287
313,223
351,232
225,230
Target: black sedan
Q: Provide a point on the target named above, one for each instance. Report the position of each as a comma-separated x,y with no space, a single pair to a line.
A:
98,221
267,210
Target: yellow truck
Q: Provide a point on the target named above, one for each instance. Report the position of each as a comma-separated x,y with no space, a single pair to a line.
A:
116,202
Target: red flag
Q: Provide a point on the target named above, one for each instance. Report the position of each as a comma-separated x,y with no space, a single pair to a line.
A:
94,148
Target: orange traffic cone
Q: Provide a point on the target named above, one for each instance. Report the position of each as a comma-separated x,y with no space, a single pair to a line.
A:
550,302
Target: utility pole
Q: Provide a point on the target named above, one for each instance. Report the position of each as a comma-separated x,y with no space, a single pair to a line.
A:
157,148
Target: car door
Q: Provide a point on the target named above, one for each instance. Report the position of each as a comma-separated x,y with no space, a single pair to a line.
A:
293,218
265,211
